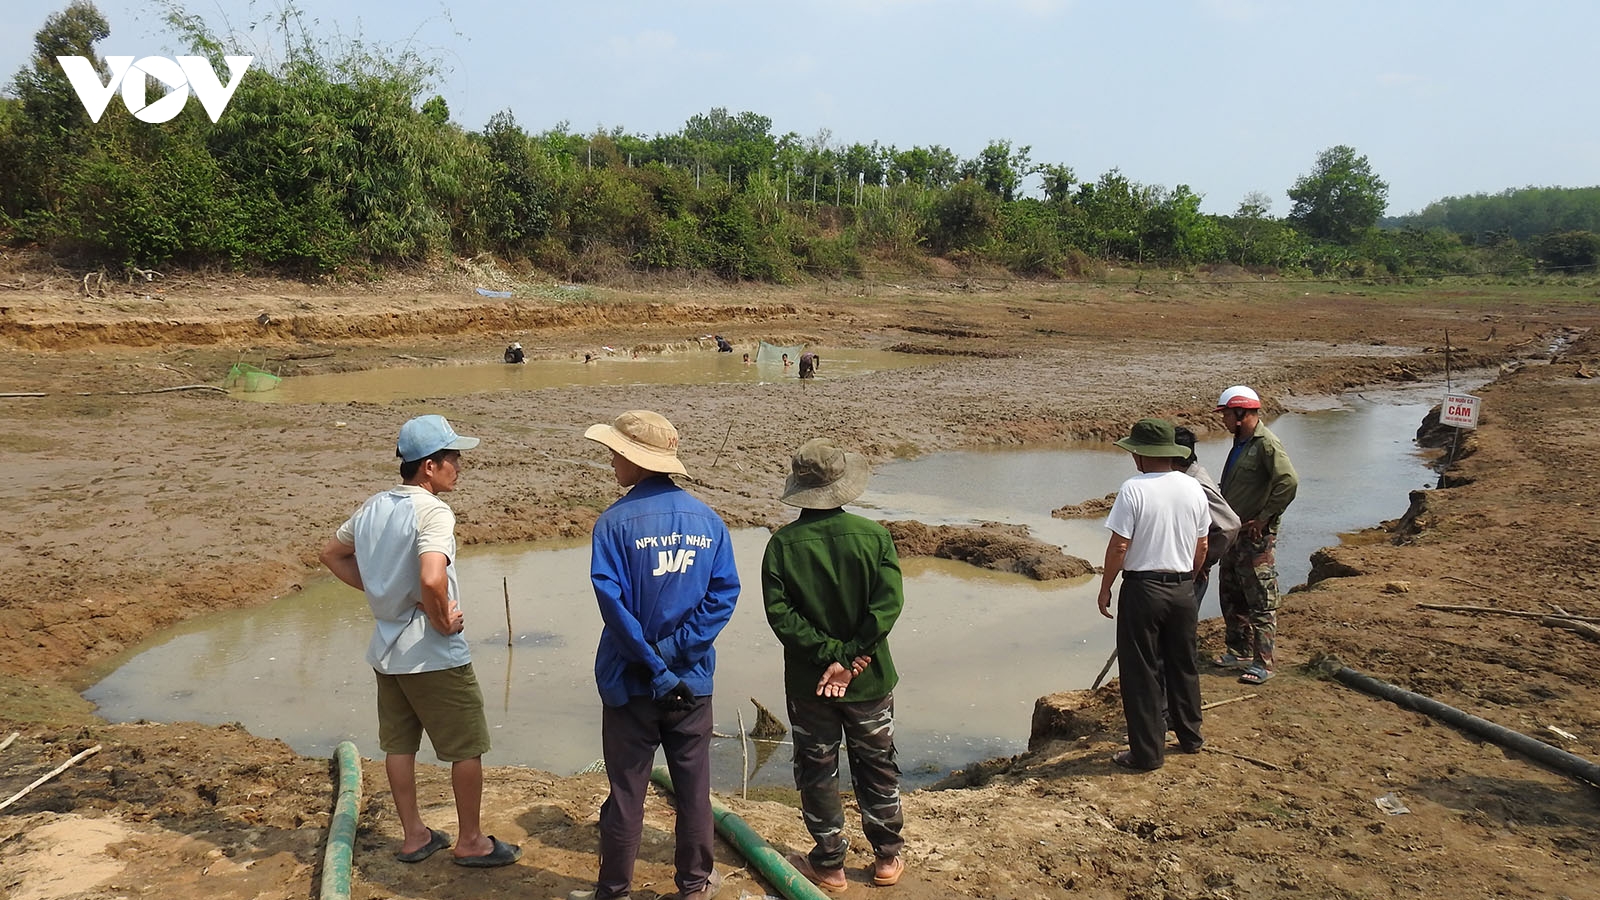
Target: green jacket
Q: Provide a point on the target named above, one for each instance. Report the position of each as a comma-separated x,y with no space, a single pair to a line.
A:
1261,481
831,584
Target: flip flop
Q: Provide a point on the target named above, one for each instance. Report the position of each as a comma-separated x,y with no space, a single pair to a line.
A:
437,840
1255,675
503,854
1229,661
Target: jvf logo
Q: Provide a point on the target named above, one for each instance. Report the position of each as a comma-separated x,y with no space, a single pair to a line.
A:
178,77
673,561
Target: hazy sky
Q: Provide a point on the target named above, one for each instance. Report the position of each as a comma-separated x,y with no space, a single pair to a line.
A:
1227,96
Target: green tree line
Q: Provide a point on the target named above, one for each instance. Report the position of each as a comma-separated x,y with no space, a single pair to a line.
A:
341,158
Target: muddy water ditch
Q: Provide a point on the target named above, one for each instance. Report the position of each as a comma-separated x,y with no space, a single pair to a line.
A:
974,647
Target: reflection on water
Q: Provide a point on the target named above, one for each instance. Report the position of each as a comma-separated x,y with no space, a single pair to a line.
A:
974,648
295,668
412,382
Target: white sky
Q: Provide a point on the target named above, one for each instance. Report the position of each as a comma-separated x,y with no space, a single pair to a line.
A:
1227,96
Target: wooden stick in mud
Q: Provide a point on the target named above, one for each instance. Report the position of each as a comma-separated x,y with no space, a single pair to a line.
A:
1517,613
724,445
1583,628
1205,706
1103,670
1464,581
49,775
165,390
1249,759
744,757
505,588
23,394
7,742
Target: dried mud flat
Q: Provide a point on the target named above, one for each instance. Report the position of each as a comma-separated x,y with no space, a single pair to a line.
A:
128,512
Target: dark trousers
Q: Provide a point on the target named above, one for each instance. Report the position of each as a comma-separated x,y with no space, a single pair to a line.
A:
867,730
629,736
1156,658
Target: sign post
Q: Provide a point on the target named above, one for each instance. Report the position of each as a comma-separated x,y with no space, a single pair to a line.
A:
1459,411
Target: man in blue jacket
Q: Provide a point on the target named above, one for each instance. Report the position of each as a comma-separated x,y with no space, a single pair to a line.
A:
663,574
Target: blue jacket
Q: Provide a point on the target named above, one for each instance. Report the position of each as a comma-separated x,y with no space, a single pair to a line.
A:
663,574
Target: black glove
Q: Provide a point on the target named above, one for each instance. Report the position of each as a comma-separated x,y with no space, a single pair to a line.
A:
679,699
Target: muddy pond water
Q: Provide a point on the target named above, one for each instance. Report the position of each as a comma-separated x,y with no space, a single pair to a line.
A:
974,648
382,385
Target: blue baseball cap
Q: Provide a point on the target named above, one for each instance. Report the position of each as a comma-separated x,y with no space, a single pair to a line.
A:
424,436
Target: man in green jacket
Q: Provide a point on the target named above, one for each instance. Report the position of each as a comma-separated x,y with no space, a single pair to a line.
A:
1259,482
832,588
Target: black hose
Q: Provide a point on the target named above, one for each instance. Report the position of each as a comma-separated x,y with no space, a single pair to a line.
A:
1553,757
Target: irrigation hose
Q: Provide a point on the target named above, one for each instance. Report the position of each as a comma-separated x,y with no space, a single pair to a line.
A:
1553,757
336,859
755,849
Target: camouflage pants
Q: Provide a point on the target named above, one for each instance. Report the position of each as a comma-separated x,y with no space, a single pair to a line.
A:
867,729
1247,588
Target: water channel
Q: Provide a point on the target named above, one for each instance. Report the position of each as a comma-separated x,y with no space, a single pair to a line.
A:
975,648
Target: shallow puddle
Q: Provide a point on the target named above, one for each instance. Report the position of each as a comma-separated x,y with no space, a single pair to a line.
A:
974,648
691,367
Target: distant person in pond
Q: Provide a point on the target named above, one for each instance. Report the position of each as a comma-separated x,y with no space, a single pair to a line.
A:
514,353
786,362
400,550
1259,482
1158,527
831,584
808,364
664,578
747,359
722,344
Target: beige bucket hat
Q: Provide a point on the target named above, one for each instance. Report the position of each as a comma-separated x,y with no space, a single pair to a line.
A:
643,438
822,476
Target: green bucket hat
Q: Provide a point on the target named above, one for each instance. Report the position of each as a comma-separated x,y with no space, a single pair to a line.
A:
1153,437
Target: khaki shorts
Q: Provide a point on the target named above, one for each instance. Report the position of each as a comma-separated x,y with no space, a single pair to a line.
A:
446,704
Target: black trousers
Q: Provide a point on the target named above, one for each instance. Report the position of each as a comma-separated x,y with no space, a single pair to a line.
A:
1156,660
629,736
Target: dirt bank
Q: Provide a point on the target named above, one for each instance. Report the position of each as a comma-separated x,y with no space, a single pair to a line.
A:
129,512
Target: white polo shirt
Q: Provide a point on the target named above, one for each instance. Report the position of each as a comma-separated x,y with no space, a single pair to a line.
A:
1161,514
390,532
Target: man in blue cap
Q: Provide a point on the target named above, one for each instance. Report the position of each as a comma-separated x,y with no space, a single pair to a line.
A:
400,550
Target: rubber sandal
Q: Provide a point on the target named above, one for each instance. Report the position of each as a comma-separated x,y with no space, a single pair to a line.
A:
437,840
503,854
887,872
1229,661
830,880
1255,675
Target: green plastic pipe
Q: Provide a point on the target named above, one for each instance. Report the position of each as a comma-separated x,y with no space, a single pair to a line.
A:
336,859
755,849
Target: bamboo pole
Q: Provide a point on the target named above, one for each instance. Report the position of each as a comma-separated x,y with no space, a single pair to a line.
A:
1103,670
51,774
1205,706
8,741
744,757
505,588
1517,613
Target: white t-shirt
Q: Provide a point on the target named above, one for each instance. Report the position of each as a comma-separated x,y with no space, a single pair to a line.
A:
390,532
1162,514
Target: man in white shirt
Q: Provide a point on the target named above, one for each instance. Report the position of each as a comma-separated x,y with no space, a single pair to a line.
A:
400,550
1158,529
